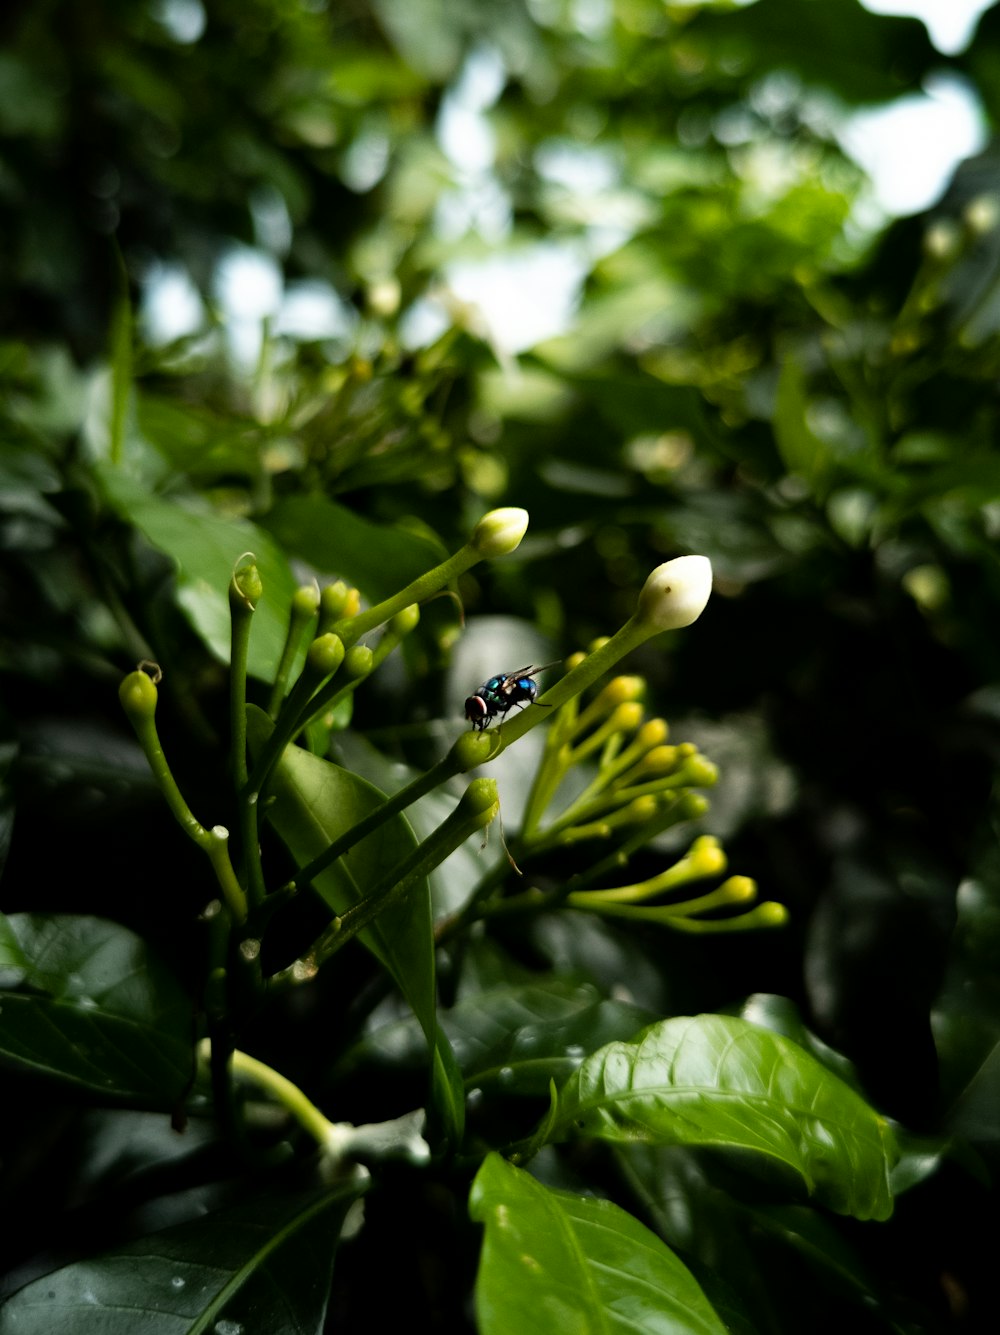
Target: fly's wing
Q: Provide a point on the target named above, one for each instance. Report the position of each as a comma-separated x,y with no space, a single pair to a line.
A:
530,671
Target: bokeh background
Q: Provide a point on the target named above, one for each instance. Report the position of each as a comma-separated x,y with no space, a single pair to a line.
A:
696,277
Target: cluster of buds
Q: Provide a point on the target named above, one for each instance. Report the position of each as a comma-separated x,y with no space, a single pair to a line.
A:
639,785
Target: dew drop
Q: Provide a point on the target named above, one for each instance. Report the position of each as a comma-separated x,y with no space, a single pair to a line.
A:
177,1282
505,1075
228,1328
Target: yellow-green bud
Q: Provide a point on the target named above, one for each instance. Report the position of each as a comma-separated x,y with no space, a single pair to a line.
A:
660,760
358,661
692,806
626,717
707,857
739,889
640,809
306,600
326,653
653,733
333,600
770,914
481,798
353,604
619,690
500,531
474,748
701,772
675,593
246,585
403,622
138,696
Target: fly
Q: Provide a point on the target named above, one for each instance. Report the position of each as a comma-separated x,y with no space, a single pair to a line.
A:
496,697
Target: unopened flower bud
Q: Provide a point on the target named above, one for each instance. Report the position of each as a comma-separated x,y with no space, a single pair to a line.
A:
500,531
326,653
653,733
358,661
138,696
675,593
246,585
306,599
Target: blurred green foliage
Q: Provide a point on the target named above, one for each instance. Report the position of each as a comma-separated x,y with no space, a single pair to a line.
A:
753,367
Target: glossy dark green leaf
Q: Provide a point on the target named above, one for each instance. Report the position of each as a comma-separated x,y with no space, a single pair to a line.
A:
518,1038
522,1038
552,1261
715,1080
311,803
378,559
204,547
695,1214
93,1008
261,1266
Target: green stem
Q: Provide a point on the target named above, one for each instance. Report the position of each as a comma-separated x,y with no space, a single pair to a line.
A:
284,1092
325,656
213,842
241,608
635,632
351,629
302,611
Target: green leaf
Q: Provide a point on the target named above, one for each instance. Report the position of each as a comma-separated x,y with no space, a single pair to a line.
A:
261,1266
718,1081
552,1261
204,547
518,1038
379,560
311,802
694,1213
523,1038
93,1009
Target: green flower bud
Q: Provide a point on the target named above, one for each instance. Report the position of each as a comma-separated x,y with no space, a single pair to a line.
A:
653,733
326,653
619,691
626,717
358,661
675,593
739,889
701,772
138,696
770,914
500,531
706,857
481,800
306,600
333,600
660,760
474,749
246,586
403,622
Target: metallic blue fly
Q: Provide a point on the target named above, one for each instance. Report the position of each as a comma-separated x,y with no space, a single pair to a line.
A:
496,697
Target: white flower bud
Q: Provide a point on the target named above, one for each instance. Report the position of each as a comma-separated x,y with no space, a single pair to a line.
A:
500,531
676,593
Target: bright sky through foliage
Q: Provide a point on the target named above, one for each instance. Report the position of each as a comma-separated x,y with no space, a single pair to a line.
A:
950,23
